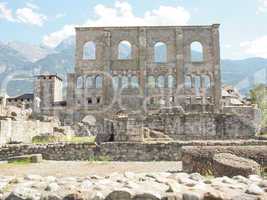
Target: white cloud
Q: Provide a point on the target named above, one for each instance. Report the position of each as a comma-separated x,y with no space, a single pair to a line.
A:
32,6
257,47
26,15
5,12
228,46
55,38
262,6
121,14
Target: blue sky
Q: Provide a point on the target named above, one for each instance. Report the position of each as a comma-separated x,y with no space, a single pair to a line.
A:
47,22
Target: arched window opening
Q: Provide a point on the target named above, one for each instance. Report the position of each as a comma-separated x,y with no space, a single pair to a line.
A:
134,82
98,82
89,51
151,82
171,81
188,82
124,50
197,85
124,82
79,82
90,82
160,52
115,82
161,82
196,52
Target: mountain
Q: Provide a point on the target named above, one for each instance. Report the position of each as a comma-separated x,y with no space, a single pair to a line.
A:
17,69
30,52
13,66
244,74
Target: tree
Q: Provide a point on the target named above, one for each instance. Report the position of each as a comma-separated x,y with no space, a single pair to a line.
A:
258,96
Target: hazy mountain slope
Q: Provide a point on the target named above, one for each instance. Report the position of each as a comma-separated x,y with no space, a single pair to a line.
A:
30,52
13,66
244,73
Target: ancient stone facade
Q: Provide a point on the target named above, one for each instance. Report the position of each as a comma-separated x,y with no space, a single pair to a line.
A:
106,79
129,78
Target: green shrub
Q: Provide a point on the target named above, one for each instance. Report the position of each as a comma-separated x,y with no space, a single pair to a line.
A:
45,139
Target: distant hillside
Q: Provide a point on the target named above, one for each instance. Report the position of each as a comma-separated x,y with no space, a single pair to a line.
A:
16,66
244,74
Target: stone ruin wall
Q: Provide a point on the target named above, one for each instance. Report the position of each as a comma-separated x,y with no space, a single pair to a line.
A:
233,123
141,64
23,130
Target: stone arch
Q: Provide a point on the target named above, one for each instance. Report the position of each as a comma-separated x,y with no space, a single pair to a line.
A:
89,51
196,49
161,81
124,50
98,81
160,52
151,82
79,82
89,82
134,82
171,81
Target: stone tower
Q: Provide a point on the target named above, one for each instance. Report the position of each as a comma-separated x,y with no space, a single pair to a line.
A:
47,91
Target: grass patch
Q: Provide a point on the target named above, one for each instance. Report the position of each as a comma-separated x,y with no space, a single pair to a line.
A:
53,139
20,162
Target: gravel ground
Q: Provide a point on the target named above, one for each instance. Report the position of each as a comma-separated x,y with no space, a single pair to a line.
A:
85,168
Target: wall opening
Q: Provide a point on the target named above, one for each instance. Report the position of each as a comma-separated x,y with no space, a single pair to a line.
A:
197,85
207,83
161,82
98,82
125,50
134,82
196,52
171,81
151,82
79,82
124,82
89,51
160,52
89,82
115,82
188,82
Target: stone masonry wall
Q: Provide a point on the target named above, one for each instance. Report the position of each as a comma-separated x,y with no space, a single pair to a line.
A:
171,151
200,159
59,151
23,131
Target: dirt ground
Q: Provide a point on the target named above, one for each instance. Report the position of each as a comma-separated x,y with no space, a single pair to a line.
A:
85,168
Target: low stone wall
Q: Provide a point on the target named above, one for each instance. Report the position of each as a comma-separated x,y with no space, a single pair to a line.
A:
117,151
58,151
169,151
200,158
